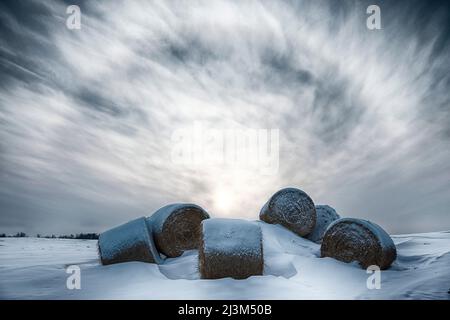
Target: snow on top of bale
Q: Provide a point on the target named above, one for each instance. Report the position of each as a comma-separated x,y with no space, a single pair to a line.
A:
159,217
231,236
131,241
230,248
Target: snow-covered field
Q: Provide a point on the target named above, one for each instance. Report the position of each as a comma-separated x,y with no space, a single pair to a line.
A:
32,268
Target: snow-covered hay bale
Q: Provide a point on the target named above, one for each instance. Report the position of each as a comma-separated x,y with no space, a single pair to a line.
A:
131,241
325,216
358,240
291,208
230,248
176,228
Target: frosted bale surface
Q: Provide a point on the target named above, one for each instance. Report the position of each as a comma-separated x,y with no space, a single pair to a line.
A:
293,209
325,216
358,240
176,228
230,248
131,241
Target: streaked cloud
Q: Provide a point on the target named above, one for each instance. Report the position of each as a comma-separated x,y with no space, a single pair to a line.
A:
86,116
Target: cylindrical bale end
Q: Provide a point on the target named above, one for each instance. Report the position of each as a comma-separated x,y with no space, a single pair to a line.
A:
230,248
325,216
176,228
293,209
131,241
358,240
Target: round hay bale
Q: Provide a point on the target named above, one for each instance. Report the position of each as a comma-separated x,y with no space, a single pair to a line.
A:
131,241
358,240
291,208
176,228
230,248
325,216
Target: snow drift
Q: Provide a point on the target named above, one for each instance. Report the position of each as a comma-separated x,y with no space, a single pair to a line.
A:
33,268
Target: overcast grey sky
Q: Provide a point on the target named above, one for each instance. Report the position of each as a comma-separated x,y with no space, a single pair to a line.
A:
87,116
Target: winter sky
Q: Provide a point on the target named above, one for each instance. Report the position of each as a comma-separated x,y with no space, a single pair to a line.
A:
87,117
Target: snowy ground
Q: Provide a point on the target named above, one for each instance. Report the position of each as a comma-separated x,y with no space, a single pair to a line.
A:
32,268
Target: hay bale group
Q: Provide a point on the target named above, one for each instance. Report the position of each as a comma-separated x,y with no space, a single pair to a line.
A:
234,247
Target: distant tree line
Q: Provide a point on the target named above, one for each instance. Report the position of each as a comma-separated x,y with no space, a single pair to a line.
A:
84,236
17,235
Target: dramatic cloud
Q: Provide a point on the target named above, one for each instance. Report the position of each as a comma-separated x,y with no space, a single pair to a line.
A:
87,117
